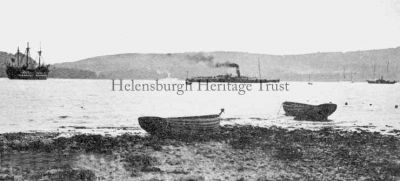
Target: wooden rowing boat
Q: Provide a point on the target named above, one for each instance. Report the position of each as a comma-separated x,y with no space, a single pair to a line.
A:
192,125
309,112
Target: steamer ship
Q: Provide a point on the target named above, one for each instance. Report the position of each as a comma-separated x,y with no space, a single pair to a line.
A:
230,78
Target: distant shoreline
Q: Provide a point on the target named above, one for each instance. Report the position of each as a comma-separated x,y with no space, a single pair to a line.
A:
163,79
314,67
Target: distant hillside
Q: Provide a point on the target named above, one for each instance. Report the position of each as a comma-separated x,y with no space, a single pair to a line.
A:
330,66
4,57
67,73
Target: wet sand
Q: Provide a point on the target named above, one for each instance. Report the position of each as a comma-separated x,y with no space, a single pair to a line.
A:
236,153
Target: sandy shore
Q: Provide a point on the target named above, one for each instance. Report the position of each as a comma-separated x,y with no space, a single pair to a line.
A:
236,153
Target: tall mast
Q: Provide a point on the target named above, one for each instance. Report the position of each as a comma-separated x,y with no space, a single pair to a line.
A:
374,71
351,76
259,69
18,57
40,54
27,54
387,67
344,73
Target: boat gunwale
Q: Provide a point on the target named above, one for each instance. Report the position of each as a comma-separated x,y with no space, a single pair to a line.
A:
288,103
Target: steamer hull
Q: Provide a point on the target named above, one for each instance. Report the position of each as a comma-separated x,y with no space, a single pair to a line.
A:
231,79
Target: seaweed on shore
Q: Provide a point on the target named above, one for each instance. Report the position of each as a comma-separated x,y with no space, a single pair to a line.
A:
66,174
56,174
354,154
137,163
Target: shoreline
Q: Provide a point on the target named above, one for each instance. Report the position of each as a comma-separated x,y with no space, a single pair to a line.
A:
236,153
289,124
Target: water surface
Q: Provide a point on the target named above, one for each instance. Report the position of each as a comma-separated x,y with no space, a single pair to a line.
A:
66,103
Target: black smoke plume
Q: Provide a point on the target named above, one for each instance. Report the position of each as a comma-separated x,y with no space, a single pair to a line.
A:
227,64
209,61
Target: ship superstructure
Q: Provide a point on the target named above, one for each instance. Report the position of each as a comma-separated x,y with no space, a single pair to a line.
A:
22,66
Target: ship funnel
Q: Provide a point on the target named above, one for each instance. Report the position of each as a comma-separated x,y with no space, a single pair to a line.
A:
229,64
238,71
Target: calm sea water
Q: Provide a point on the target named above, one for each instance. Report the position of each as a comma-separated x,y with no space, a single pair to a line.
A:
67,105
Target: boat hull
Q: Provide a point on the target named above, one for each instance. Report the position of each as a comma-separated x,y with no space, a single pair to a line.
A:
196,125
232,80
17,73
381,82
309,112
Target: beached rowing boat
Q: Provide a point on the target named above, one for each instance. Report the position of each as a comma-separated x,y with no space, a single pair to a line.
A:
309,112
192,125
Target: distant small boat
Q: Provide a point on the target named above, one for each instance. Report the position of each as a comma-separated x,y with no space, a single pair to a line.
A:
192,125
381,81
309,80
309,112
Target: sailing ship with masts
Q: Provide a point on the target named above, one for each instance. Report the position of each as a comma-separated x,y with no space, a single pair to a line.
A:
22,66
381,80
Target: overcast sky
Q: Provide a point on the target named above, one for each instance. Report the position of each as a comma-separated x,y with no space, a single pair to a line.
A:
71,30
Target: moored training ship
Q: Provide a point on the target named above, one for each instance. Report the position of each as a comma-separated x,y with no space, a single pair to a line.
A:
22,66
